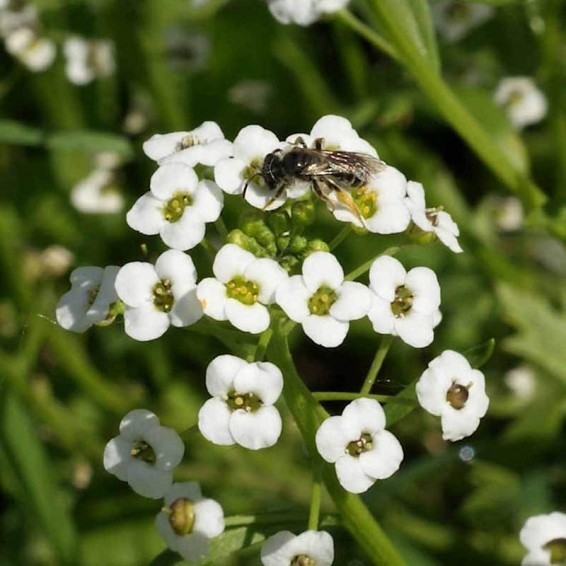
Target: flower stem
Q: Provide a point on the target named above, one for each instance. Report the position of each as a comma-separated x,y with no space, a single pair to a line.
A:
340,237
309,415
221,227
188,432
382,350
314,512
262,345
341,396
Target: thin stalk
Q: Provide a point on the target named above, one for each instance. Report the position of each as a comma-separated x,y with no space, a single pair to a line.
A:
380,354
340,237
314,512
341,396
355,273
262,345
221,227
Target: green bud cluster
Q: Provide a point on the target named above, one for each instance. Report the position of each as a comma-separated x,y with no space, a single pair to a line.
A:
278,234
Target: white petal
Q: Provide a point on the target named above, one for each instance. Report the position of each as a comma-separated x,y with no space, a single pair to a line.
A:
364,416
135,282
292,296
431,391
185,233
325,330
117,457
209,519
254,141
457,425
146,216
249,318
447,231
228,175
208,201
186,310
353,303
145,323
137,423
268,274
178,268
259,197
263,379
106,294
385,458
231,261
351,475
221,372
167,445
423,283
214,422
256,430
274,550
212,297
188,489
390,218
172,178
193,547
381,316
415,330
332,438
385,275
161,145
148,481
322,268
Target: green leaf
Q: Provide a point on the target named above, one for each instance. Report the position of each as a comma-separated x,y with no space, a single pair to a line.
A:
541,329
15,133
166,558
494,121
92,142
479,355
38,487
423,19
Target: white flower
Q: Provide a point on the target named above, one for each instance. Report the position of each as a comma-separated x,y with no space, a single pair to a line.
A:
36,53
381,204
453,391
97,194
359,446
251,94
89,301
303,12
522,382
322,301
242,286
432,219
88,59
177,207
286,549
243,170
144,454
454,19
205,145
241,410
189,520
157,296
544,536
509,213
404,304
14,16
524,102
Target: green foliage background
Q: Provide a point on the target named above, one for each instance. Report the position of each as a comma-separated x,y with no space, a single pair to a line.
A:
62,396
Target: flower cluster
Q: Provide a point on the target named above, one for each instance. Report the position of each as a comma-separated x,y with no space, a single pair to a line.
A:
20,29
269,270
303,12
88,59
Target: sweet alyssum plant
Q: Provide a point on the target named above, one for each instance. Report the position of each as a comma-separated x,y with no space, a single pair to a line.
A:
271,275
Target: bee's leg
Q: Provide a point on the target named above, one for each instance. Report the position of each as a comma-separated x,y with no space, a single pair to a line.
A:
319,143
277,194
300,142
346,199
317,187
248,182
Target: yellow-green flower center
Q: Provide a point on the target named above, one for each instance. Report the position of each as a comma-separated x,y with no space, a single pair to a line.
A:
302,560
247,401
515,98
91,295
141,450
182,516
242,290
366,201
557,549
403,301
252,171
457,395
321,301
363,444
163,298
173,210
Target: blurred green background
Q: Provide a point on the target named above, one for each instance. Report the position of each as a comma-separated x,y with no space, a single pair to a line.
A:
62,396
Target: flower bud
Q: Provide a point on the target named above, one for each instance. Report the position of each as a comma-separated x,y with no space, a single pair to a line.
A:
420,236
246,242
317,246
298,244
256,227
303,212
279,221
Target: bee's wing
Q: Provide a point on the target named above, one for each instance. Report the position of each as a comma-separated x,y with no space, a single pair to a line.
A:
361,165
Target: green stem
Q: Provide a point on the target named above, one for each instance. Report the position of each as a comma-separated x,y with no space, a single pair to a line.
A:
355,273
314,513
262,345
340,237
221,227
309,415
188,432
380,354
210,249
341,396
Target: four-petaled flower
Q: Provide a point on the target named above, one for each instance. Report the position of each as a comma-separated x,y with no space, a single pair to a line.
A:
157,296
359,446
404,304
144,454
241,410
177,207
286,549
242,286
188,521
322,301
90,299
544,536
523,101
453,391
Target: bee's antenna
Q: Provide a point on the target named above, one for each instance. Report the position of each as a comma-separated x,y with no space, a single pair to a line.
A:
248,182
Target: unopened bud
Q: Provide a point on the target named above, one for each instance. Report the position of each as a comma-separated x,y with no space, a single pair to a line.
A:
303,212
317,246
246,242
279,221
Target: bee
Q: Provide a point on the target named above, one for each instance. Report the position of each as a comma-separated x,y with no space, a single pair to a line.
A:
330,172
